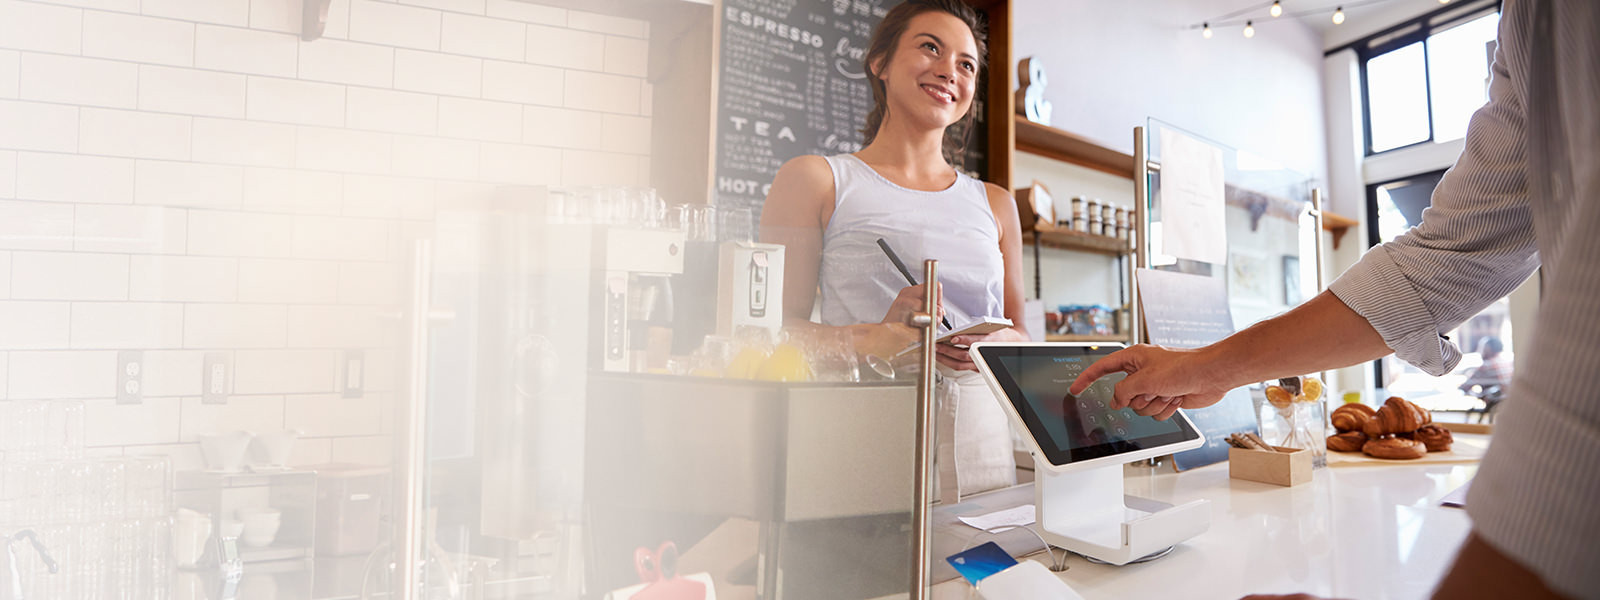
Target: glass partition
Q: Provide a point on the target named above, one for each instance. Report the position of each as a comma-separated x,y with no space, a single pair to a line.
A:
585,429
1270,235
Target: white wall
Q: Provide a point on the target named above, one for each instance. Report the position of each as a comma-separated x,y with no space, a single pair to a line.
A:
1112,65
188,176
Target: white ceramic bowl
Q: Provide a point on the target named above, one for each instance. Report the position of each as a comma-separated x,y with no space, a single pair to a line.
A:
260,525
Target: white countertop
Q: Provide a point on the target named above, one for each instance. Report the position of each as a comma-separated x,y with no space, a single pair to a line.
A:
1369,532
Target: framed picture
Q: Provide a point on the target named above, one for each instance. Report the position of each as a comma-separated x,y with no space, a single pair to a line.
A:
1291,280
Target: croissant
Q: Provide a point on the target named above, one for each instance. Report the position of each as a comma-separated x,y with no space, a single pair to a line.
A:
1394,448
1396,416
1436,438
1349,441
1351,417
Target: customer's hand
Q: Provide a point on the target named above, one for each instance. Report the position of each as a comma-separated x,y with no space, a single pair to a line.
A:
909,301
1160,380
953,352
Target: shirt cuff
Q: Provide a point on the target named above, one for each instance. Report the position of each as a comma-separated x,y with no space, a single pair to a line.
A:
1377,290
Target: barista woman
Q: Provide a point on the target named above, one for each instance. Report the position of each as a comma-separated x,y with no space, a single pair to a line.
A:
923,64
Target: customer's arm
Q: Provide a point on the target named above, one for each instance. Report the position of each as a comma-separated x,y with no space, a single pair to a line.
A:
1475,245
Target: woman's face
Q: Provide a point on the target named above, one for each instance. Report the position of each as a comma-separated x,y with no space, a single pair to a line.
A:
934,71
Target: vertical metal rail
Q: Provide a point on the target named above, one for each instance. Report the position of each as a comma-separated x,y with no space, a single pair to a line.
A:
411,446
1141,229
921,545
1316,234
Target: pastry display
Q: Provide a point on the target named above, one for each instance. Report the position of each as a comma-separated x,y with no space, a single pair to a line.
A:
1349,441
1351,417
1398,430
1394,448
1396,416
1436,438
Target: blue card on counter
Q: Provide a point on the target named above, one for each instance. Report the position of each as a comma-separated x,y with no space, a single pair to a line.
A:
983,561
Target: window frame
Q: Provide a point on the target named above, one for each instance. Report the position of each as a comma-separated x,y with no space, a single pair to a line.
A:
1397,37
1374,238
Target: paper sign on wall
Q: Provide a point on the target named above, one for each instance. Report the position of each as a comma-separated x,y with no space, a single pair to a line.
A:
1193,219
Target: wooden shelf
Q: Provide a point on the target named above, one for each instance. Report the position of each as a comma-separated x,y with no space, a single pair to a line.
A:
1338,224
1083,242
1050,142
1067,337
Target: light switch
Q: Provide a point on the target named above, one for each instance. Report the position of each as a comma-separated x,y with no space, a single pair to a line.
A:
353,373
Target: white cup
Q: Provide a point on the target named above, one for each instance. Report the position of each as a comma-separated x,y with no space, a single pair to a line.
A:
260,525
189,536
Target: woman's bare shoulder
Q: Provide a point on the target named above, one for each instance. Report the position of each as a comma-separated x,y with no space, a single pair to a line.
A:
807,169
802,189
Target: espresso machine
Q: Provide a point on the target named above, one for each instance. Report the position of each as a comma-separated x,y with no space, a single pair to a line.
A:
636,297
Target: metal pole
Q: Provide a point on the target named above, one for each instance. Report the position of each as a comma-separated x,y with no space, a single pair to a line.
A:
1316,234
1141,229
409,524
928,319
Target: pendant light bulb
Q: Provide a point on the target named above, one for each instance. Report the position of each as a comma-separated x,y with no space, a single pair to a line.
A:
1206,33
1444,1
1338,16
1277,9
1249,29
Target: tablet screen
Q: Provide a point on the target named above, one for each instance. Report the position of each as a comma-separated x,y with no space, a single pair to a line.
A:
1074,428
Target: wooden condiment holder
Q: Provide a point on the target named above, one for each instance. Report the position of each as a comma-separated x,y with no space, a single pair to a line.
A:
1286,467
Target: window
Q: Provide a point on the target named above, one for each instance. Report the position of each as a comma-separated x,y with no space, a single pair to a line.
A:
1484,339
1423,80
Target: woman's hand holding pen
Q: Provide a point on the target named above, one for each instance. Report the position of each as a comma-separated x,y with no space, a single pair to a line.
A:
909,302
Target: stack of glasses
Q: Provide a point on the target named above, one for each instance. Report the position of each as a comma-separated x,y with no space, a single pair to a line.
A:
104,521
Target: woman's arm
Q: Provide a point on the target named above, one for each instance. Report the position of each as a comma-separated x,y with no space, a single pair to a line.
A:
797,209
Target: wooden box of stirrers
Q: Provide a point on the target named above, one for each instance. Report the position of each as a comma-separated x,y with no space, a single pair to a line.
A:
1277,466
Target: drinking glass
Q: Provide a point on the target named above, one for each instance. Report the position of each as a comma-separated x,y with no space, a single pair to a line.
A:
737,225
66,430
832,355
703,223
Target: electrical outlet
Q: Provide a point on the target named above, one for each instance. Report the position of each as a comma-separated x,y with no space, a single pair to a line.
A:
215,379
353,373
130,376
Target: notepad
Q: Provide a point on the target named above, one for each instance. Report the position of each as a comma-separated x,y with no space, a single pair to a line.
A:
981,326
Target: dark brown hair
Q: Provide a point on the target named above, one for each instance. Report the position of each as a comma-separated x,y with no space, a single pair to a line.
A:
886,38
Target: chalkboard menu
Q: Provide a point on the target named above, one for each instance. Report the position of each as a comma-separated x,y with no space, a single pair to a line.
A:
790,83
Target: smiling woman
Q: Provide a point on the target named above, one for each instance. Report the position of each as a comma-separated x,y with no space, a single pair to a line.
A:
923,63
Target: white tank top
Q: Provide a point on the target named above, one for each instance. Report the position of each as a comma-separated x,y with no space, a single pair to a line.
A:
954,225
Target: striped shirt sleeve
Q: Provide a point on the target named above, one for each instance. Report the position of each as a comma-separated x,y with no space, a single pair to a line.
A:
1475,243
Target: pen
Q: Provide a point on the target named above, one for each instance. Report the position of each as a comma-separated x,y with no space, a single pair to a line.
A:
907,272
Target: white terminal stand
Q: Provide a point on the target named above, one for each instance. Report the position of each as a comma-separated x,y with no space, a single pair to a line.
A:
1080,505
1086,512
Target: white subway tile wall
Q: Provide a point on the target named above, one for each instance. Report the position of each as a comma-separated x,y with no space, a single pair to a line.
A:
8,173
479,36
183,177
59,178
138,39
133,229
10,65
250,51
